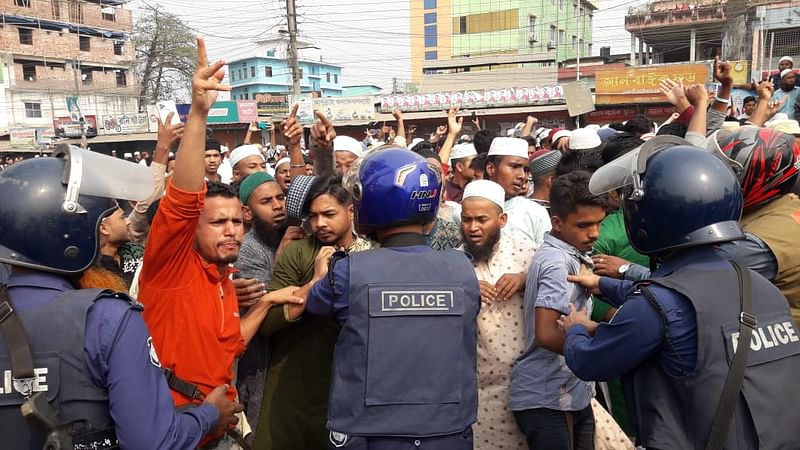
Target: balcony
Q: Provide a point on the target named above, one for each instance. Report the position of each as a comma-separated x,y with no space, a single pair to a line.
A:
671,14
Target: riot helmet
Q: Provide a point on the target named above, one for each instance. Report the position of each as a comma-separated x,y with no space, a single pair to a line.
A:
673,196
51,208
765,161
392,186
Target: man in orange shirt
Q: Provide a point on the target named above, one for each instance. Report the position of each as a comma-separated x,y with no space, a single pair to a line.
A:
190,302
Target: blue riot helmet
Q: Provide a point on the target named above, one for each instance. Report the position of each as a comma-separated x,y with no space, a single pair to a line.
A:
51,208
393,186
673,196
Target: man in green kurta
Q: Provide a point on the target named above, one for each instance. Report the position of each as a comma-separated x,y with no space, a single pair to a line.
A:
294,410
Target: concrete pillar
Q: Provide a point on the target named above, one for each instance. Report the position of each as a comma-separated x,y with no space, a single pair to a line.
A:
633,49
641,52
693,45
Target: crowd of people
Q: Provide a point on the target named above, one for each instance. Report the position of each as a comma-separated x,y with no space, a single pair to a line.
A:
539,288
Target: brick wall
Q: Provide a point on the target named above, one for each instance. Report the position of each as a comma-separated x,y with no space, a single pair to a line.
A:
92,13
54,44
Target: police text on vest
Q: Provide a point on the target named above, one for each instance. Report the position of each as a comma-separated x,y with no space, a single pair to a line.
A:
768,336
39,383
416,300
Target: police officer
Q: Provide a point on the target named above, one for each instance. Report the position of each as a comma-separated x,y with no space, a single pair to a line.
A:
404,371
705,345
79,363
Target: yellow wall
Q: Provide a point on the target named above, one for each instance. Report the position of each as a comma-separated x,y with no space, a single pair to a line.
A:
444,28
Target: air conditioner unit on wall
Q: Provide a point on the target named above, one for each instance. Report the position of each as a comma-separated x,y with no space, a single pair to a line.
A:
531,37
551,45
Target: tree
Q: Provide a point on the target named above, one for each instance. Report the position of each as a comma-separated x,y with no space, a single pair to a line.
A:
165,55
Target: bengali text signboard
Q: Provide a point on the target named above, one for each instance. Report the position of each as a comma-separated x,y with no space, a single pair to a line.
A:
473,99
342,109
126,123
640,84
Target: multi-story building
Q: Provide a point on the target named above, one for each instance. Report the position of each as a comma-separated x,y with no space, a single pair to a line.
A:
525,34
54,49
759,31
266,70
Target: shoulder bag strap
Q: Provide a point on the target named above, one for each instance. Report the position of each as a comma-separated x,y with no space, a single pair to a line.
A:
733,382
17,341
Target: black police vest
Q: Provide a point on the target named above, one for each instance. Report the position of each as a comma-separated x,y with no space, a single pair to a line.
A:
677,413
55,334
406,359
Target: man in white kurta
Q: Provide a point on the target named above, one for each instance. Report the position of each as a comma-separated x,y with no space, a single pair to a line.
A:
501,265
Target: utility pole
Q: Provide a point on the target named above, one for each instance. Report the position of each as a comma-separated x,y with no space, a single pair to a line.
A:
75,71
291,17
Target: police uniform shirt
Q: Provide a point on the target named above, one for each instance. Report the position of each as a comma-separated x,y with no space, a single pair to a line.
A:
636,332
120,356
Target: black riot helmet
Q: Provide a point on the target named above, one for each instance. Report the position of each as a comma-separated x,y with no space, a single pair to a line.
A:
673,196
51,208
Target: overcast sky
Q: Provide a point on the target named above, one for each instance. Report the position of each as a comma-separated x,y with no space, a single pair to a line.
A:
369,38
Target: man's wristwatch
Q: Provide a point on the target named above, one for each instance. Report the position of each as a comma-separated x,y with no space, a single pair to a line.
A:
622,269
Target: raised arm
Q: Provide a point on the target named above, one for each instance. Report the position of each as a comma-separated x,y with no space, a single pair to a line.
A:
322,135
189,173
454,124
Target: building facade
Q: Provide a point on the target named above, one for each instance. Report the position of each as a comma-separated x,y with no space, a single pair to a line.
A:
51,50
758,31
266,70
443,30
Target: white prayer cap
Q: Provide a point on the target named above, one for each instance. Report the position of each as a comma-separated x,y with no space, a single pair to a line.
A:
786,72
462,151
786,58
486,189
282,162
244,151
347,144
414,142
584,139
127,155
507,146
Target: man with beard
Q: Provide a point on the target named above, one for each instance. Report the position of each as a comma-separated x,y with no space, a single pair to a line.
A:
301,348
501,266
185,284
264,206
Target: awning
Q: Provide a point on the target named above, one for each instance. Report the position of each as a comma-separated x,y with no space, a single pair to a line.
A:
380,117
58,26
111,138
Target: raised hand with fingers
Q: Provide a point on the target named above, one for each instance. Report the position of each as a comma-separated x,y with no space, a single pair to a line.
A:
697,95
323,132
454,123
168,134
674,92
207,80
291,128
765,90
722,71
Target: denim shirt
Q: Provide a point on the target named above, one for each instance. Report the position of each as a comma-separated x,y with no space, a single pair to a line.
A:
541,378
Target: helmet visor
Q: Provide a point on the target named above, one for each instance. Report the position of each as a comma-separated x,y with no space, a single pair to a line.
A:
98,175
620,172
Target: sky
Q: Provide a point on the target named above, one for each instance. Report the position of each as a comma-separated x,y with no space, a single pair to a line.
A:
368,38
